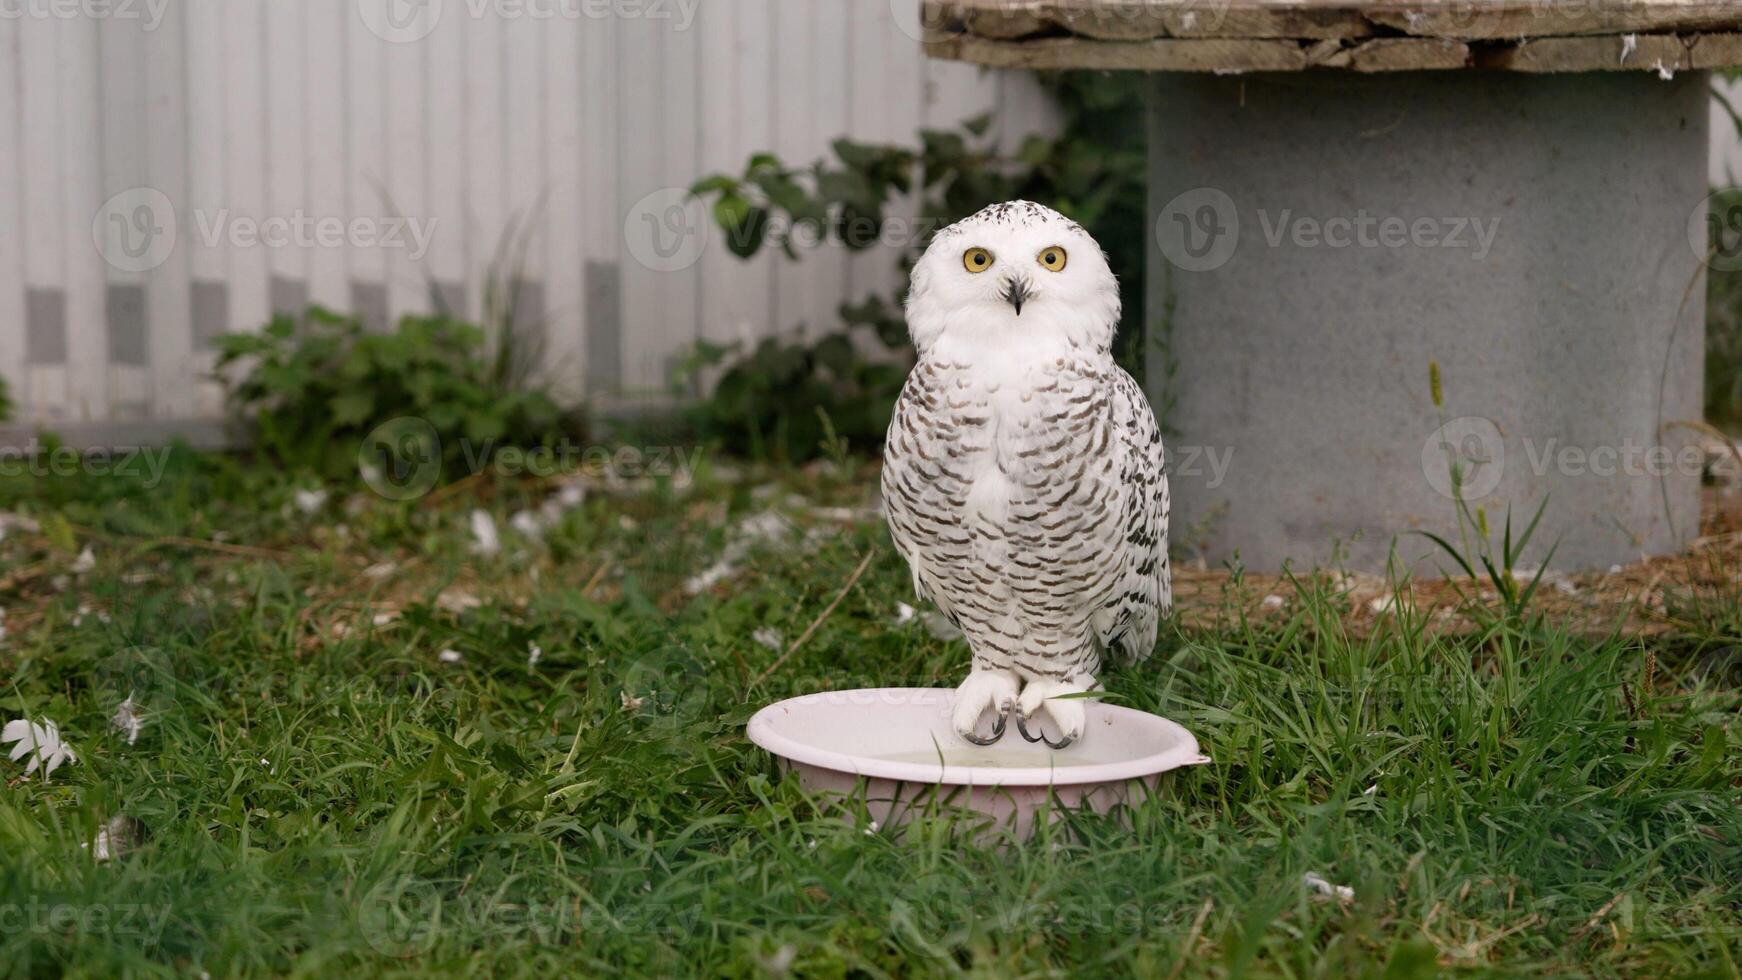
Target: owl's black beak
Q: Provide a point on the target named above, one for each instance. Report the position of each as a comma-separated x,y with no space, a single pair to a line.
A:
1016,293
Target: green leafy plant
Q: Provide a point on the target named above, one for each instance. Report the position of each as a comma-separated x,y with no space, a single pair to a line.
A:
314,387
768,398
1477,547
5,402
1724,320
772,399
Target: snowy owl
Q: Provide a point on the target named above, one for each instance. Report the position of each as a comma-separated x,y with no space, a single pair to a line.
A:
1023,472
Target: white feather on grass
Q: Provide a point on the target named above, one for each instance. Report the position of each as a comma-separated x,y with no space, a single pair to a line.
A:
41,742
1317,883
128,719
310,502
486,542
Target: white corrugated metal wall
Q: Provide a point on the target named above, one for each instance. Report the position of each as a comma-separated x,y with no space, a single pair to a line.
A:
141,141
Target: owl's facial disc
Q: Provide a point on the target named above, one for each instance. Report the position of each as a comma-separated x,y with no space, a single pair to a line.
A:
1016,292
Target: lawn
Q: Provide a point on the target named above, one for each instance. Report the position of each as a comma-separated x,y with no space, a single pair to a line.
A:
365,746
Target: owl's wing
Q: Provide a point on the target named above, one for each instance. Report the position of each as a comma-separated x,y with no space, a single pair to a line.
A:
922,519
1145,592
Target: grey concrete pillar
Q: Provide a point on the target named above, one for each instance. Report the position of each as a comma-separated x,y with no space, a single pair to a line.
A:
1318,239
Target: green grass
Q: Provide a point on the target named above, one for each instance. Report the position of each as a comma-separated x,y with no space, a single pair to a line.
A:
319,799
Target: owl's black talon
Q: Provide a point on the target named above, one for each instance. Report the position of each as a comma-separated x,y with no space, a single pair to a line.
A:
1064,742
997,733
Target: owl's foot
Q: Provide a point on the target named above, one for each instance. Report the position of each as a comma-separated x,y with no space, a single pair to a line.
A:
983,690
1067,713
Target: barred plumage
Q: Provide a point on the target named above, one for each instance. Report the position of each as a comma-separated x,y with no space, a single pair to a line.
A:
1023,474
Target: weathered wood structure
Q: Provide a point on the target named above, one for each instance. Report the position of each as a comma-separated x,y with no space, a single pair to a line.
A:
1345,191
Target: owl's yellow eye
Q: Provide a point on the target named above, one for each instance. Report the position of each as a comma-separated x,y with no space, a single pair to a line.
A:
976,260
1052,257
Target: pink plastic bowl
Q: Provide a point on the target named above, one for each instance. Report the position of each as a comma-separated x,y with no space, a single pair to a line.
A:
894,747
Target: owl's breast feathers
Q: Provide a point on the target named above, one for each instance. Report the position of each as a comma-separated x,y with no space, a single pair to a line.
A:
1032,507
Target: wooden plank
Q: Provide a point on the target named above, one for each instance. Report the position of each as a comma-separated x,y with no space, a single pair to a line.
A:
124,113
173,385
731,294
206,195
1662,53
43,191
795,293
406,177
643,81
1396,54
757,52
287,141
86,273
1648,52
602,238
824,264
328,146
366,153
12,368
526,176
1137,20
680,145
486,213
1162,55
444,214
1515,19
247,196
870,119
564,361
1142,22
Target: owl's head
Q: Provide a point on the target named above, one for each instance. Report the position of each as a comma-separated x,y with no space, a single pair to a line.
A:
1013,272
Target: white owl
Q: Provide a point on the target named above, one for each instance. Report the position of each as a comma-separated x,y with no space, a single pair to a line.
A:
1023,472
